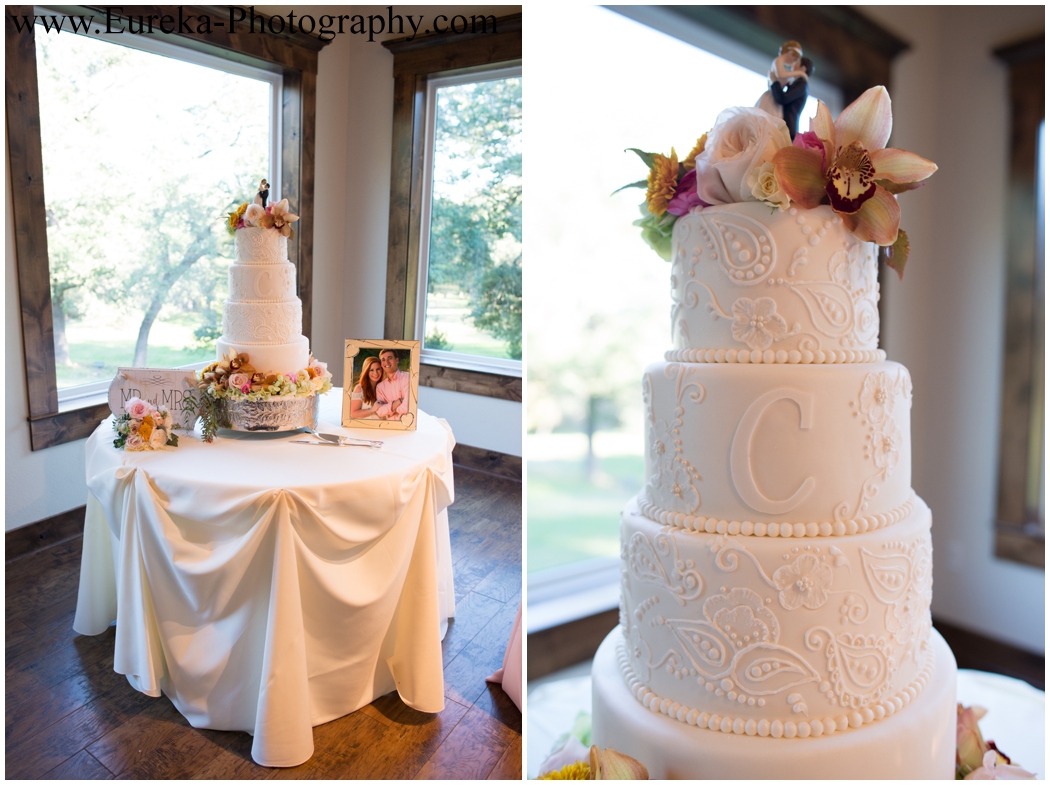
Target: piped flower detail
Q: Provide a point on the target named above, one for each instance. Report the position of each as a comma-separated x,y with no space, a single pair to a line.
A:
757,323
805,582
876,396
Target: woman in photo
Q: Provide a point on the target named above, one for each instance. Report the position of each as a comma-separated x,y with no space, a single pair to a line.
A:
363,403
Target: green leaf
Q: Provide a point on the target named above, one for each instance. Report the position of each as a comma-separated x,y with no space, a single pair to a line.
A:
649,159
638,184
896,255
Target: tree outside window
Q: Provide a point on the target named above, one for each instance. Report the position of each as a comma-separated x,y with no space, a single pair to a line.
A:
473,251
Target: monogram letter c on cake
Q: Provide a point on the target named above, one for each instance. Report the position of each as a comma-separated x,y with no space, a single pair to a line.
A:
740,452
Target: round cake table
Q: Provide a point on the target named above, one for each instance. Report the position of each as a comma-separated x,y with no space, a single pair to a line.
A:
267,586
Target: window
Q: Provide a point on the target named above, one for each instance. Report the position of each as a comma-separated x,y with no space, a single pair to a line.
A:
1020,527
287,68
144,286
600,313
470,249
454,250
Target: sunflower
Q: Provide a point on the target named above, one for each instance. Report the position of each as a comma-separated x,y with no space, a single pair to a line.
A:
663,180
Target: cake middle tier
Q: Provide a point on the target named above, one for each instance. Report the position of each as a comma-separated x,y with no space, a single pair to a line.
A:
262,323
262,283
788,450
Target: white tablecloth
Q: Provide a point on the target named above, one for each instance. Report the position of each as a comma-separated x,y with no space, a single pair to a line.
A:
268,587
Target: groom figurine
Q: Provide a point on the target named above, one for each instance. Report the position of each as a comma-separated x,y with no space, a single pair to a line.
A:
792,99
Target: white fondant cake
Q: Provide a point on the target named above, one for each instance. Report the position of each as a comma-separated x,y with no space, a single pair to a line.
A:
792,286
776,576
263,317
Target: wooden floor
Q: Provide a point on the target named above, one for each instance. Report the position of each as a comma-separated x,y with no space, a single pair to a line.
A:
69,716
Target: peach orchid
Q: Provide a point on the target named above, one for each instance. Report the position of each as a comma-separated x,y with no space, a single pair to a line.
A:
855,172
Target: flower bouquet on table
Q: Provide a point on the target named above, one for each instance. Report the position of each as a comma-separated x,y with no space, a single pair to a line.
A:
234,378
749,155
144,426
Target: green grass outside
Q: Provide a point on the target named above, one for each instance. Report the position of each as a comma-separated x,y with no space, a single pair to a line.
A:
97,351
572,518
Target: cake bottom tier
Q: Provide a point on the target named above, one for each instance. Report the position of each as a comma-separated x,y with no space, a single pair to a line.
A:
271,358
916,743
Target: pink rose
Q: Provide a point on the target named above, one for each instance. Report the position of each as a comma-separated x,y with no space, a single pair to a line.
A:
810,141
685,196
240,380
134,442
320,368
247,388
293,378
137,408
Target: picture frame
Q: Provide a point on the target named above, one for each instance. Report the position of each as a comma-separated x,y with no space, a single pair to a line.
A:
359,411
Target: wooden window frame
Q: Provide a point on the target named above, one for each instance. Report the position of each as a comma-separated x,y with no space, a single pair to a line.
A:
1019,525
414,62
294,56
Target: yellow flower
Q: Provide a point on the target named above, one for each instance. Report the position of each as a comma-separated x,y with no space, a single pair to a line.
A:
574,771
690,160
146,428
235,216
663,180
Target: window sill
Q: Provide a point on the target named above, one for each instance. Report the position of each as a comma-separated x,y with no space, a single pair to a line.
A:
487,384
569,593
76,419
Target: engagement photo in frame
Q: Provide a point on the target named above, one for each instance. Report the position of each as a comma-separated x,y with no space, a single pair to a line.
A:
381,384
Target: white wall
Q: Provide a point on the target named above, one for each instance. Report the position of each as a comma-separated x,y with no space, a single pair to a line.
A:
352,202
945,319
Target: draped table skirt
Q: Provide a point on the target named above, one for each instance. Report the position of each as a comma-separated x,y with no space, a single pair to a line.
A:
268,587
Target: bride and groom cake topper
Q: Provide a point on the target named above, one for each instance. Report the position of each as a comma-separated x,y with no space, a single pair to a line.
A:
788,85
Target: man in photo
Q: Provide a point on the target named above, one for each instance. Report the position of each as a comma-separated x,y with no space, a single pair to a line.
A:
392,393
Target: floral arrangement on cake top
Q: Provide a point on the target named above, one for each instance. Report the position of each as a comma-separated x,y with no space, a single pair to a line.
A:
144,426
235,378
752,155
977,759
277,216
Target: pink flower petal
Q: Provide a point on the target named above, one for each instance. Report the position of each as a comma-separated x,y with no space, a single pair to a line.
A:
900,166
877,220
822,124
867,120
798,170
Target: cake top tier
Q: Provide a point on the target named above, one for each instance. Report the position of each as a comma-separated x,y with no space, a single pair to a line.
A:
750,284
258,225
752,156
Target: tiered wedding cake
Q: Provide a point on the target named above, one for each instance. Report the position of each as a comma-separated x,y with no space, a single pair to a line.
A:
265,378
262,316
776,576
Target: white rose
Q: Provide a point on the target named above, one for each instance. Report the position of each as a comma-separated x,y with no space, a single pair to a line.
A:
253,214
317,383
765,188
158,438
744,138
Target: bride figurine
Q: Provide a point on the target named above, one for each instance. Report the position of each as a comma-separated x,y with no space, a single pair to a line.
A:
788,85
263,194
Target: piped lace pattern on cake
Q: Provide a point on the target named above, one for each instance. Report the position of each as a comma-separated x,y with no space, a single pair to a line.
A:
855,614
675,480
264,323
791,305
260,246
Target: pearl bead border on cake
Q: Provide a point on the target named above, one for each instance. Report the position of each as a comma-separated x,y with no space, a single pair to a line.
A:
793,357
714,525
787,729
